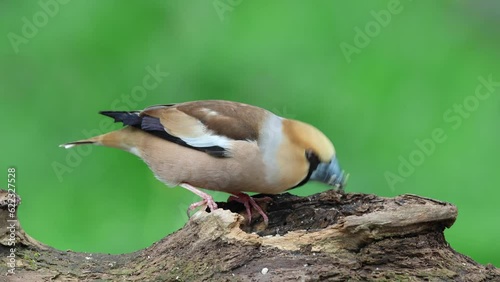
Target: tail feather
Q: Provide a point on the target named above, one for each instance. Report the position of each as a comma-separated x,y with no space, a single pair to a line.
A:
124,138
111,139
76,143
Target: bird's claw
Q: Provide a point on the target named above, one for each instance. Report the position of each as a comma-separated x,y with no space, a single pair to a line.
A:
248,201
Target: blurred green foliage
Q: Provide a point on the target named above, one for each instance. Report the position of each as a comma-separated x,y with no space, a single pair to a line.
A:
375,85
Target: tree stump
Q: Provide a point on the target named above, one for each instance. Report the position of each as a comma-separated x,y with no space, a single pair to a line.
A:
328,236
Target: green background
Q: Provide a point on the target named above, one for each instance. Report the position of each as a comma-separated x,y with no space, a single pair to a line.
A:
405,78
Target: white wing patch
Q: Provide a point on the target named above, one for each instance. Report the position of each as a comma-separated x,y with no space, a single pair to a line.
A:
208,140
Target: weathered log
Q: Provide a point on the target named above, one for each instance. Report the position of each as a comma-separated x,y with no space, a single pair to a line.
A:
328,236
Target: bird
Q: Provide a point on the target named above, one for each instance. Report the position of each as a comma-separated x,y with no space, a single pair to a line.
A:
224,146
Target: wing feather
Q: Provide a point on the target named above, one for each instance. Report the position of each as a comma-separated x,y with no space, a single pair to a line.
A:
207,126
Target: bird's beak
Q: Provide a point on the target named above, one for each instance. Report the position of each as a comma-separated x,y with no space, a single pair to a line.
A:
330,173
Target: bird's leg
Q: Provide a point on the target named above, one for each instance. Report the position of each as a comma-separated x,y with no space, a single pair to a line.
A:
207,199
247,201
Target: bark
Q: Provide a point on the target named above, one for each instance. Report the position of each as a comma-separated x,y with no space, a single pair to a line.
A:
328,236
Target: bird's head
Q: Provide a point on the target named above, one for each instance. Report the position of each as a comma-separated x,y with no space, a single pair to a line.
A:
320,154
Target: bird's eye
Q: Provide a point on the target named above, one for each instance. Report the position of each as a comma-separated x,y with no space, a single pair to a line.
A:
313,159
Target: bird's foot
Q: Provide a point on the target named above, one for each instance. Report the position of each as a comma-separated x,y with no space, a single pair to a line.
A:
205,202
207,199
248,201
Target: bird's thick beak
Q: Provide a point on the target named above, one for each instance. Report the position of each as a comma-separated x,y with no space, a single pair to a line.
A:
331,174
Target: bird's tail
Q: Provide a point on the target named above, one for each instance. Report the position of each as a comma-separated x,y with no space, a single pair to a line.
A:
93,140
122,139
116,139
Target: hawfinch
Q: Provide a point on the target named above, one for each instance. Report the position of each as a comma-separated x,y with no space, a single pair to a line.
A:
224,146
